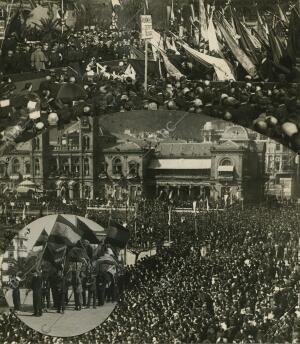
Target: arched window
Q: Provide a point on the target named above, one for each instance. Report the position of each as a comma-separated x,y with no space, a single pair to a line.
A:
15,166
86,142
86,167
27,167
226,162
37,169
2,168
133,168
117,166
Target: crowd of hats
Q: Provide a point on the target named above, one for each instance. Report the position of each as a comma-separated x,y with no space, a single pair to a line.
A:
233,281
271,109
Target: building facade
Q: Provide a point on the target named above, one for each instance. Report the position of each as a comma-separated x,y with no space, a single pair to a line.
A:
233,166
84,162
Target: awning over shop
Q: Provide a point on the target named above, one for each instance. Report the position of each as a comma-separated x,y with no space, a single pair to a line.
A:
225,168
180,164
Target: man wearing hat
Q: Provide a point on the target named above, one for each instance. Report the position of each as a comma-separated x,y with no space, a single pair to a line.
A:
61,291
36,286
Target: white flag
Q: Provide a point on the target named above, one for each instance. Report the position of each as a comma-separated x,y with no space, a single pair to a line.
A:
220,65
212,37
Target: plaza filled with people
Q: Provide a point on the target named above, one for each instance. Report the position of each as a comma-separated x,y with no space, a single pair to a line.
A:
232,277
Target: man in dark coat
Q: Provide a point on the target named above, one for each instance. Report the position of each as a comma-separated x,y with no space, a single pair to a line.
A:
15,286
77,289
61,291
36,286
45,292
100,288
92,288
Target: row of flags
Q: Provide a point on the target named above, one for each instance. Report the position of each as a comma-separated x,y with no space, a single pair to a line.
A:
214,36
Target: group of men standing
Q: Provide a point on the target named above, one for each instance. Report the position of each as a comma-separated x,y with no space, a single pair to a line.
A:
88,288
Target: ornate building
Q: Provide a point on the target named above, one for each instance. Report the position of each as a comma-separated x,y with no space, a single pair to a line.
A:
234,166
84,162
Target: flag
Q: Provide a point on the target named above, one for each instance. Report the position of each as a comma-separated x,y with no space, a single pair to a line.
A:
117,234
195,206
85,232
55,253
15,25
221,66
293,47
24,213
261,29
64,232
192,12
282,16
212,37
107,263
169,215
170,68
239,54
245,42
276,47
42,239
202,20
130,72
172,16
146,4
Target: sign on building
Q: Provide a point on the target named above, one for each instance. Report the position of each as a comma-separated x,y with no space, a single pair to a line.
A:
146,26
286,184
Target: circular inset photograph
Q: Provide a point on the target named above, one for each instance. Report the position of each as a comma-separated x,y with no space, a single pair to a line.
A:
59,272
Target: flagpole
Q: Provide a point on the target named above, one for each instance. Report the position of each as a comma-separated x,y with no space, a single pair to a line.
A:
39,263
62,16
146,57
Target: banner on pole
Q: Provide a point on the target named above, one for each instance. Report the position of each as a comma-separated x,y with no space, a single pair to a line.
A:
146,26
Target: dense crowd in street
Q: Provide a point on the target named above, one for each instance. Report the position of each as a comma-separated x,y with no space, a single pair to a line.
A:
233,280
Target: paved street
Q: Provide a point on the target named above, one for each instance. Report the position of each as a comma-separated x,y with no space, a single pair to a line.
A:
71,323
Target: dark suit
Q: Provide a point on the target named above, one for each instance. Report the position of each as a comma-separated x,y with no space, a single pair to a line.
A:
60,287
36,286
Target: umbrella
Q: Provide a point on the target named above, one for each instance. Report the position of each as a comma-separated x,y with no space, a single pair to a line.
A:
26,186
70,92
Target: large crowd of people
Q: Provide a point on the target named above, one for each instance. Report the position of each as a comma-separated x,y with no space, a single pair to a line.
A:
234,279
91,83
